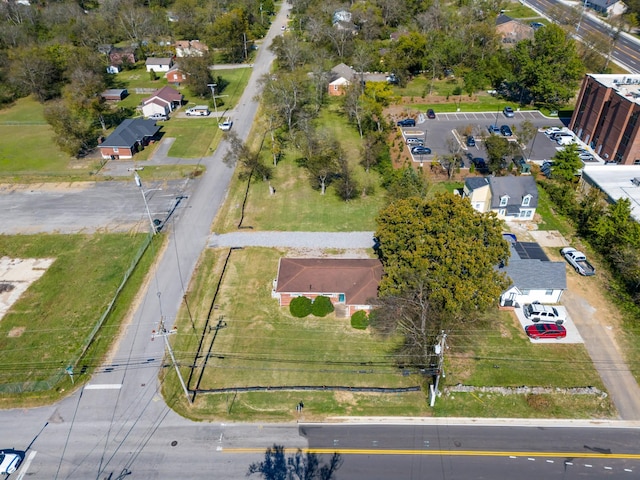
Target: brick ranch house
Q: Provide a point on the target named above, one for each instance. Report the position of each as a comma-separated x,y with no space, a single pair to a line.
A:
350,283
131,136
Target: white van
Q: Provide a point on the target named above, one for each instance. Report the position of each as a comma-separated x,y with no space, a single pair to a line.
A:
565,139
198,111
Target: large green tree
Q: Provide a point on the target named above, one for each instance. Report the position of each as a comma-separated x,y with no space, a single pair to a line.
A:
566,164
446,247
548,66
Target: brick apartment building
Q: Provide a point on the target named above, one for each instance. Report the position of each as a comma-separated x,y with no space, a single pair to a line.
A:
606,117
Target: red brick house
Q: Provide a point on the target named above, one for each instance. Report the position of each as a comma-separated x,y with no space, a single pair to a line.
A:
350,283
131,136
175,75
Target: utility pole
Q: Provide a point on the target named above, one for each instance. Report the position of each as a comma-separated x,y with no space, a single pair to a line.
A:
164,333
244,38
144,197
213,86
439,349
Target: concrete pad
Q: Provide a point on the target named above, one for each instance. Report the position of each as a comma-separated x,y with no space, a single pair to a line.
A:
573,336
549,238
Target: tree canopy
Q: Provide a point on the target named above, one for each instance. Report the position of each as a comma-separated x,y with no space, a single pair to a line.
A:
445,245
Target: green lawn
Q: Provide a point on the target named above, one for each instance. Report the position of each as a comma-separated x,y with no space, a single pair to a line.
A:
261,344
298,207
48,326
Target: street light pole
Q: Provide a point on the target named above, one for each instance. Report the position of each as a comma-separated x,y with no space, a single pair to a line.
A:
584,7
213,86
146,205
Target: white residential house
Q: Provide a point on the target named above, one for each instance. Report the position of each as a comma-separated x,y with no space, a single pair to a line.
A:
533,277
158,64
162,101
511,198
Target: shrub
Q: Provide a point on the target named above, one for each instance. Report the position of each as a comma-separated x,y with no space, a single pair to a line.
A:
300,307
360,320
321,306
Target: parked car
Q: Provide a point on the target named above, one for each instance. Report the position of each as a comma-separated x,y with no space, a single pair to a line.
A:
565,140
414,141
578,261
545,330
552,130
508,112
225,126
506,131
493,129
536,25
537,312
586,157
471,141
431,114
158,117
407,122
421,150
479,163
9,462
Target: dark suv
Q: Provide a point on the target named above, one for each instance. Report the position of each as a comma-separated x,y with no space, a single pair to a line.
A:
407,122
471,141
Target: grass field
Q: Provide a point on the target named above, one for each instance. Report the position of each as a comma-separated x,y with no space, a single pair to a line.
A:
46,328
261,344
296,206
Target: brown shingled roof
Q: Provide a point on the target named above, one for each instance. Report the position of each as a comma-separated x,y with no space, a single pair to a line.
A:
357,278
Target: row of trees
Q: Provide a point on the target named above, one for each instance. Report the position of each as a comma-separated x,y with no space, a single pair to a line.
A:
608,227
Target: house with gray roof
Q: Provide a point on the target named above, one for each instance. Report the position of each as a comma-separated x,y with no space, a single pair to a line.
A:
511,197
131,136
533,277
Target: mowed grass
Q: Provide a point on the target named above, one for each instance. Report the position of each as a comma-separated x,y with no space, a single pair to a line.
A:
27,145
261,344
45,330
500,354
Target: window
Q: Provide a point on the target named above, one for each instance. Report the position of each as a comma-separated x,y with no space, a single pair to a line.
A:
501,212
526,200
503,200
528,213
526,291
548,292
115,149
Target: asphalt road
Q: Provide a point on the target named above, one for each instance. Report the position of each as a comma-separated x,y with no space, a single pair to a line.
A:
102,430
626,51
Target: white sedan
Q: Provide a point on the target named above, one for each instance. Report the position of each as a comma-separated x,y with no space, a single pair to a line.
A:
225,126
9,462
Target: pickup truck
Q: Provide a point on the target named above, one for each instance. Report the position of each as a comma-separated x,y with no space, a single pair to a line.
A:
578,261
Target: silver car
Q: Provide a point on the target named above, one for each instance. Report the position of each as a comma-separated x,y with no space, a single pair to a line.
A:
415,141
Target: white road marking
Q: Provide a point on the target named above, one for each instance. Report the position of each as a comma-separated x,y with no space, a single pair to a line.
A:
103,386
25,465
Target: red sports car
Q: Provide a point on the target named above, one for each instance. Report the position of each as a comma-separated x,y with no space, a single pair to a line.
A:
545,330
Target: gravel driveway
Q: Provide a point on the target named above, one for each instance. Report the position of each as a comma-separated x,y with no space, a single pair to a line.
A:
314,240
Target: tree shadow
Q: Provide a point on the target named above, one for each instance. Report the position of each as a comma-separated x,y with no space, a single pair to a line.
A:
278,466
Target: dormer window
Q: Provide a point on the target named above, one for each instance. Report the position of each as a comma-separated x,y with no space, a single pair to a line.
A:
526,200
503,200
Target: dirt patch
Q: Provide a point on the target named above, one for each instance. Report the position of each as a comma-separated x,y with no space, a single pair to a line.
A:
16,332
16,275
46,187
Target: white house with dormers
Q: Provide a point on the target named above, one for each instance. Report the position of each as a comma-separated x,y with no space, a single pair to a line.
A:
511,198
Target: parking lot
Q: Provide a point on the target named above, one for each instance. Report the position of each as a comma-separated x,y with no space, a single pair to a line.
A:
435,133
573,336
